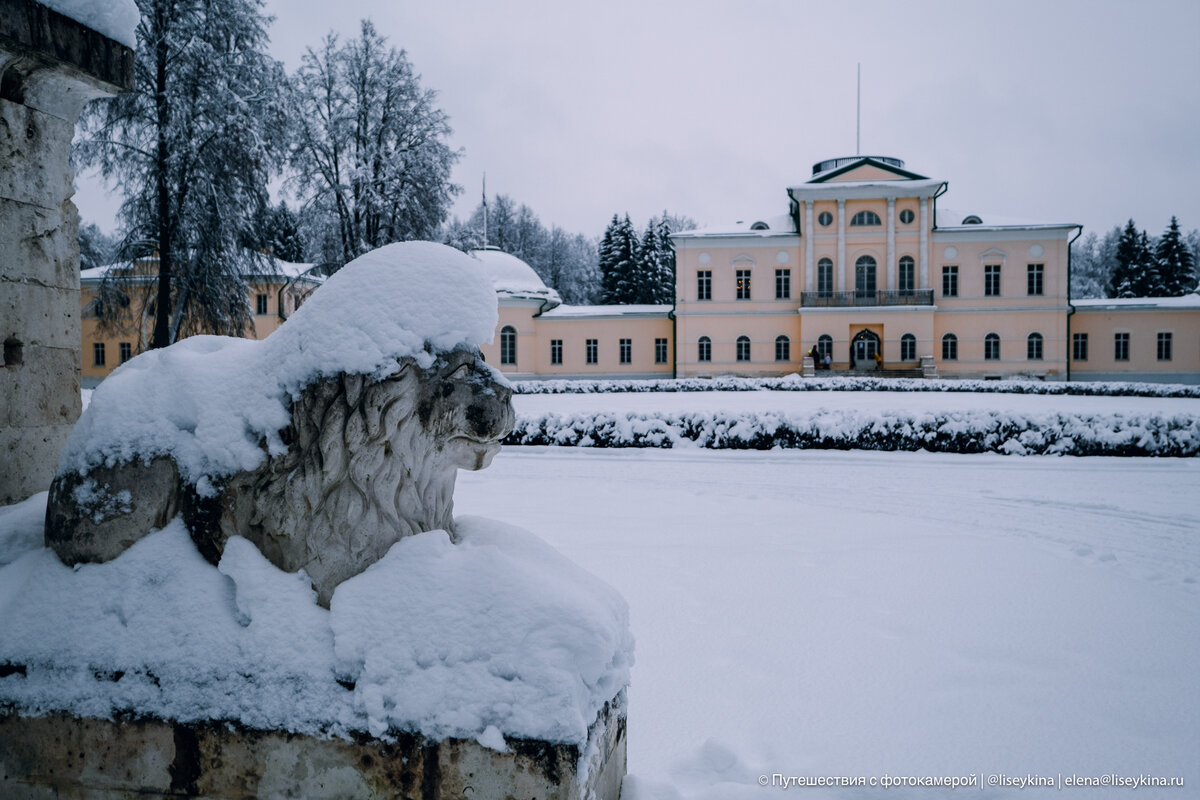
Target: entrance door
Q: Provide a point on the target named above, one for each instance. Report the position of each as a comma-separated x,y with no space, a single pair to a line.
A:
863,348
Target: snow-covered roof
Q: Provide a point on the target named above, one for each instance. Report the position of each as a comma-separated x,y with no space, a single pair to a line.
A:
116,19
774,225
565,311
141,269
513,278
1187,302
949,219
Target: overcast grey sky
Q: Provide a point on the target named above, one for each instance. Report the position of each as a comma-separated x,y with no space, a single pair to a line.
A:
1083,112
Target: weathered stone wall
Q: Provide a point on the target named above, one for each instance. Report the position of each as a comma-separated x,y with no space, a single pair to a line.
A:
50,66
65,756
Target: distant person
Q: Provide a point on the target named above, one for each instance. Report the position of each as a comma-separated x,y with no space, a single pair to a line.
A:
878,360
828,361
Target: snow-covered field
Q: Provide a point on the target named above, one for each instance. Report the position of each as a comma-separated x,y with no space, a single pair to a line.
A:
913,615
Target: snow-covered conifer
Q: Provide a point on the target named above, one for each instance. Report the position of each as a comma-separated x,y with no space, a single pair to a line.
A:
1176,266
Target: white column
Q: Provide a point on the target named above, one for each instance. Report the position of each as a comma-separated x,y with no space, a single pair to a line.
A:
891,245
924,244
840,269
808,246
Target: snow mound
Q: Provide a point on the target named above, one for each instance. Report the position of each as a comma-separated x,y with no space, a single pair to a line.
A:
210,401
116,19
498,635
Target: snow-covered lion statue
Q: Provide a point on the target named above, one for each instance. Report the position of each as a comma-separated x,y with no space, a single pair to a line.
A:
323,444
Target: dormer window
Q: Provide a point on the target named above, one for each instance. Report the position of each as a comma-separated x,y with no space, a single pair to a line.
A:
972,220
866,218
759,226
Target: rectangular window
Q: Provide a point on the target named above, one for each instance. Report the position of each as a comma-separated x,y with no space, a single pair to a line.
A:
97,354
593,351
824,277
949,281
1037,276
556,351
1079,346
783,284
991,280
660,351
626,351
126,351
1164,346
907,277
261,303
743,284
1121,347
704,284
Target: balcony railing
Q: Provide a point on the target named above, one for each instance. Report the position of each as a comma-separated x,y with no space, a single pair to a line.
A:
907,297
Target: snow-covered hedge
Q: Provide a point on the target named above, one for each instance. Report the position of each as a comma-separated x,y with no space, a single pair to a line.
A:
795,383
976,431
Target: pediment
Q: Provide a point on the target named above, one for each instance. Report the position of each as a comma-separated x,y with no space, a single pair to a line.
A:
867,169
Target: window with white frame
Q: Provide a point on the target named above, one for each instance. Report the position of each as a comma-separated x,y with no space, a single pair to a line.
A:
907,273
1121,346
592,351
1079,346
704,349
1034,347
556,351
260,303
508,345
824,277
949,347
783,284
825,345
949,281
991,347
1036,279
626,351
783,348
743,284
125,350
908,347
660,351
864,276
991,280
1164,345
743,348
97,354
704,284
866,218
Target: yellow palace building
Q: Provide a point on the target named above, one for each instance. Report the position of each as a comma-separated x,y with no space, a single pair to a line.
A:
864,259
865,264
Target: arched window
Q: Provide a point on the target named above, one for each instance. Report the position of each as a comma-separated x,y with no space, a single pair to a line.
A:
824,277
704,349
760,226
866,218
908,347
743,348
1033,347
864,276
783,348
991,347
508,345
907,277
825,345
949,347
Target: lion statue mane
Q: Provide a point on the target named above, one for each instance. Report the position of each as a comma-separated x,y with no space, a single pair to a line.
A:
367,462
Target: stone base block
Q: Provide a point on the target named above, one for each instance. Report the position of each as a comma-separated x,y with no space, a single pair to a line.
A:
65,756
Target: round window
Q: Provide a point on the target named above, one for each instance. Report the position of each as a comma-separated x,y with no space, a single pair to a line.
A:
825,219
906,216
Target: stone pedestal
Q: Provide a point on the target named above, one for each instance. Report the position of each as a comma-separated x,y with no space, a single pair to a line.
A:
808,369
50,66
928,368
65,756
